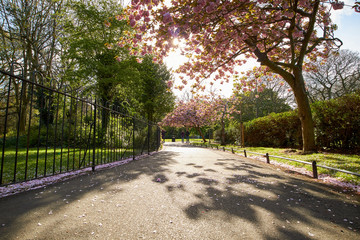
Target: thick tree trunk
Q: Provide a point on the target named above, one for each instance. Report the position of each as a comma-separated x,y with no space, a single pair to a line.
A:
297,84
307,124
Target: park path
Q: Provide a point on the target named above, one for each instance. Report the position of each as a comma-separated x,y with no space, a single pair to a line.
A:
183,192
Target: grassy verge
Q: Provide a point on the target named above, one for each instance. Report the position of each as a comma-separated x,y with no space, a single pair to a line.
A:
347,162
44,162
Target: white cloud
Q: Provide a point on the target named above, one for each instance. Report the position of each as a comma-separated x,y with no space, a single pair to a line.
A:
338,15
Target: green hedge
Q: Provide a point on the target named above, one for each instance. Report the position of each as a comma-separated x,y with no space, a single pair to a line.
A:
274,130
337,126
337,122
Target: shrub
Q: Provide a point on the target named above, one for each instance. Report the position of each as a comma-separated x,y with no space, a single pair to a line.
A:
230,135
337,122
337,126
274,130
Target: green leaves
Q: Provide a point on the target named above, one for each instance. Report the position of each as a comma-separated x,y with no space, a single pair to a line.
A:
337,122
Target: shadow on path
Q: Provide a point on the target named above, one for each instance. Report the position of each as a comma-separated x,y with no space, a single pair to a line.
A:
189,193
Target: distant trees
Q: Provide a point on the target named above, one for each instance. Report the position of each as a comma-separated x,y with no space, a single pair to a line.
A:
335,76
262,96
259,104
196,113
29,36
75,43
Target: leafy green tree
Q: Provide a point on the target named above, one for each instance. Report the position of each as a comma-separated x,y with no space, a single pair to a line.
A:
29,37
259,104
156,98
93,61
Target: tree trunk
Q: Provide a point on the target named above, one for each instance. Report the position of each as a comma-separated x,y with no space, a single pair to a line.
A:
297,84
304,110
23,114
222,133
201,134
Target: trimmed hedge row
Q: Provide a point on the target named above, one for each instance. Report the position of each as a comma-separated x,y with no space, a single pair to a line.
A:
337,122
337,126
274,130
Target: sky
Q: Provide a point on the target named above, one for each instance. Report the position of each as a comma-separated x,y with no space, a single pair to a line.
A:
347,20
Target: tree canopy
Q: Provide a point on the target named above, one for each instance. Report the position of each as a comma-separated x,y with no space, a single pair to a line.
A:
218,35
96,63
196,113
335,76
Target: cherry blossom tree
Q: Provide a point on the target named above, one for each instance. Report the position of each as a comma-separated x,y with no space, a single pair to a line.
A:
283,35
196,113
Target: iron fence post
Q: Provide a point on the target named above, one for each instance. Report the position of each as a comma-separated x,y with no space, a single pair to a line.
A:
158,138
149,137
133,138
94,138
5,130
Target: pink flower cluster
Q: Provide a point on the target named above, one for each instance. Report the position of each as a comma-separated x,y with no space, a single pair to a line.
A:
337,4
197,112
220,35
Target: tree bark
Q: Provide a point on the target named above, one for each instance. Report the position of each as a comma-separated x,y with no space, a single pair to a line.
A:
222,133
201,134
305,115
297,84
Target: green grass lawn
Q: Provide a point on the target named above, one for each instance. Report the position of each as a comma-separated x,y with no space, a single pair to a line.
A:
44,162
349,162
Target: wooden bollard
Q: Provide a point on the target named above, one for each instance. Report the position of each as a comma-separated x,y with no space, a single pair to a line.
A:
267,158
232,150
245,153
314,168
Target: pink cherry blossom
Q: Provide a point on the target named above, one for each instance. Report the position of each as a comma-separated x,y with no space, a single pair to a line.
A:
337,5
279,35
132,22
167,18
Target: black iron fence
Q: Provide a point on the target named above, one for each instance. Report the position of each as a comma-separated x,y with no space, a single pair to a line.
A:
45,131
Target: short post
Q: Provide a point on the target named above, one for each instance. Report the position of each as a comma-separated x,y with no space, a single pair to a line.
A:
232,150
245,153
217,147
314,167
224,149
267,158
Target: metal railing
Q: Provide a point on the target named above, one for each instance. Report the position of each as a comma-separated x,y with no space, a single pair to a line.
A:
45,131
314,165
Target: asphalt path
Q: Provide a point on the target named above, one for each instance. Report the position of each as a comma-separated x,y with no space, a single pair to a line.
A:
183,192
